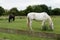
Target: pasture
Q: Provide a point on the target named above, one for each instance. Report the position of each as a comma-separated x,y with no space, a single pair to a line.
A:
21,23
20,37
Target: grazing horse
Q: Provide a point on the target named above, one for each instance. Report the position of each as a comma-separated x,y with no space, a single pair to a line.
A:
39,16
11,17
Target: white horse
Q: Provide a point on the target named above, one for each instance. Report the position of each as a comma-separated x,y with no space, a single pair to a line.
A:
39,16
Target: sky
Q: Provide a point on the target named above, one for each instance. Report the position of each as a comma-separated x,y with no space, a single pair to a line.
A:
22,4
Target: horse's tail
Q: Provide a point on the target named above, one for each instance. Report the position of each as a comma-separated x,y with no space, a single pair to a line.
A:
50,23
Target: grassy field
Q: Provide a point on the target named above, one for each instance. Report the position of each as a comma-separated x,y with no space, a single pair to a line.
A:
22,24
20,37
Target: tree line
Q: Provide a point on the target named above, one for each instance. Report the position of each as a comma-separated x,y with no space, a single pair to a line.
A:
33,8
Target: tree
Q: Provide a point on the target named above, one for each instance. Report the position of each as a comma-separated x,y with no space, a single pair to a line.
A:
50,11
6,12
28,9
56,11
44,8
14,10
22,13
37,8
1,11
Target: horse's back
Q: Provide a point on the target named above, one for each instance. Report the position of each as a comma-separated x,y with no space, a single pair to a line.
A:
38,16
34,13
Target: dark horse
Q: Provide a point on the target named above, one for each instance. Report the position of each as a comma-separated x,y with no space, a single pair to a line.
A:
11,17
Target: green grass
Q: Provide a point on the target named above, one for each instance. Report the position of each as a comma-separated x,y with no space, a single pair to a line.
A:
20,37
56,21
17,24
22,24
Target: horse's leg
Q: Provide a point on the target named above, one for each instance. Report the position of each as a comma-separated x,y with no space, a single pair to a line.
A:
13,18
9,19
29,24
43,23
51,25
